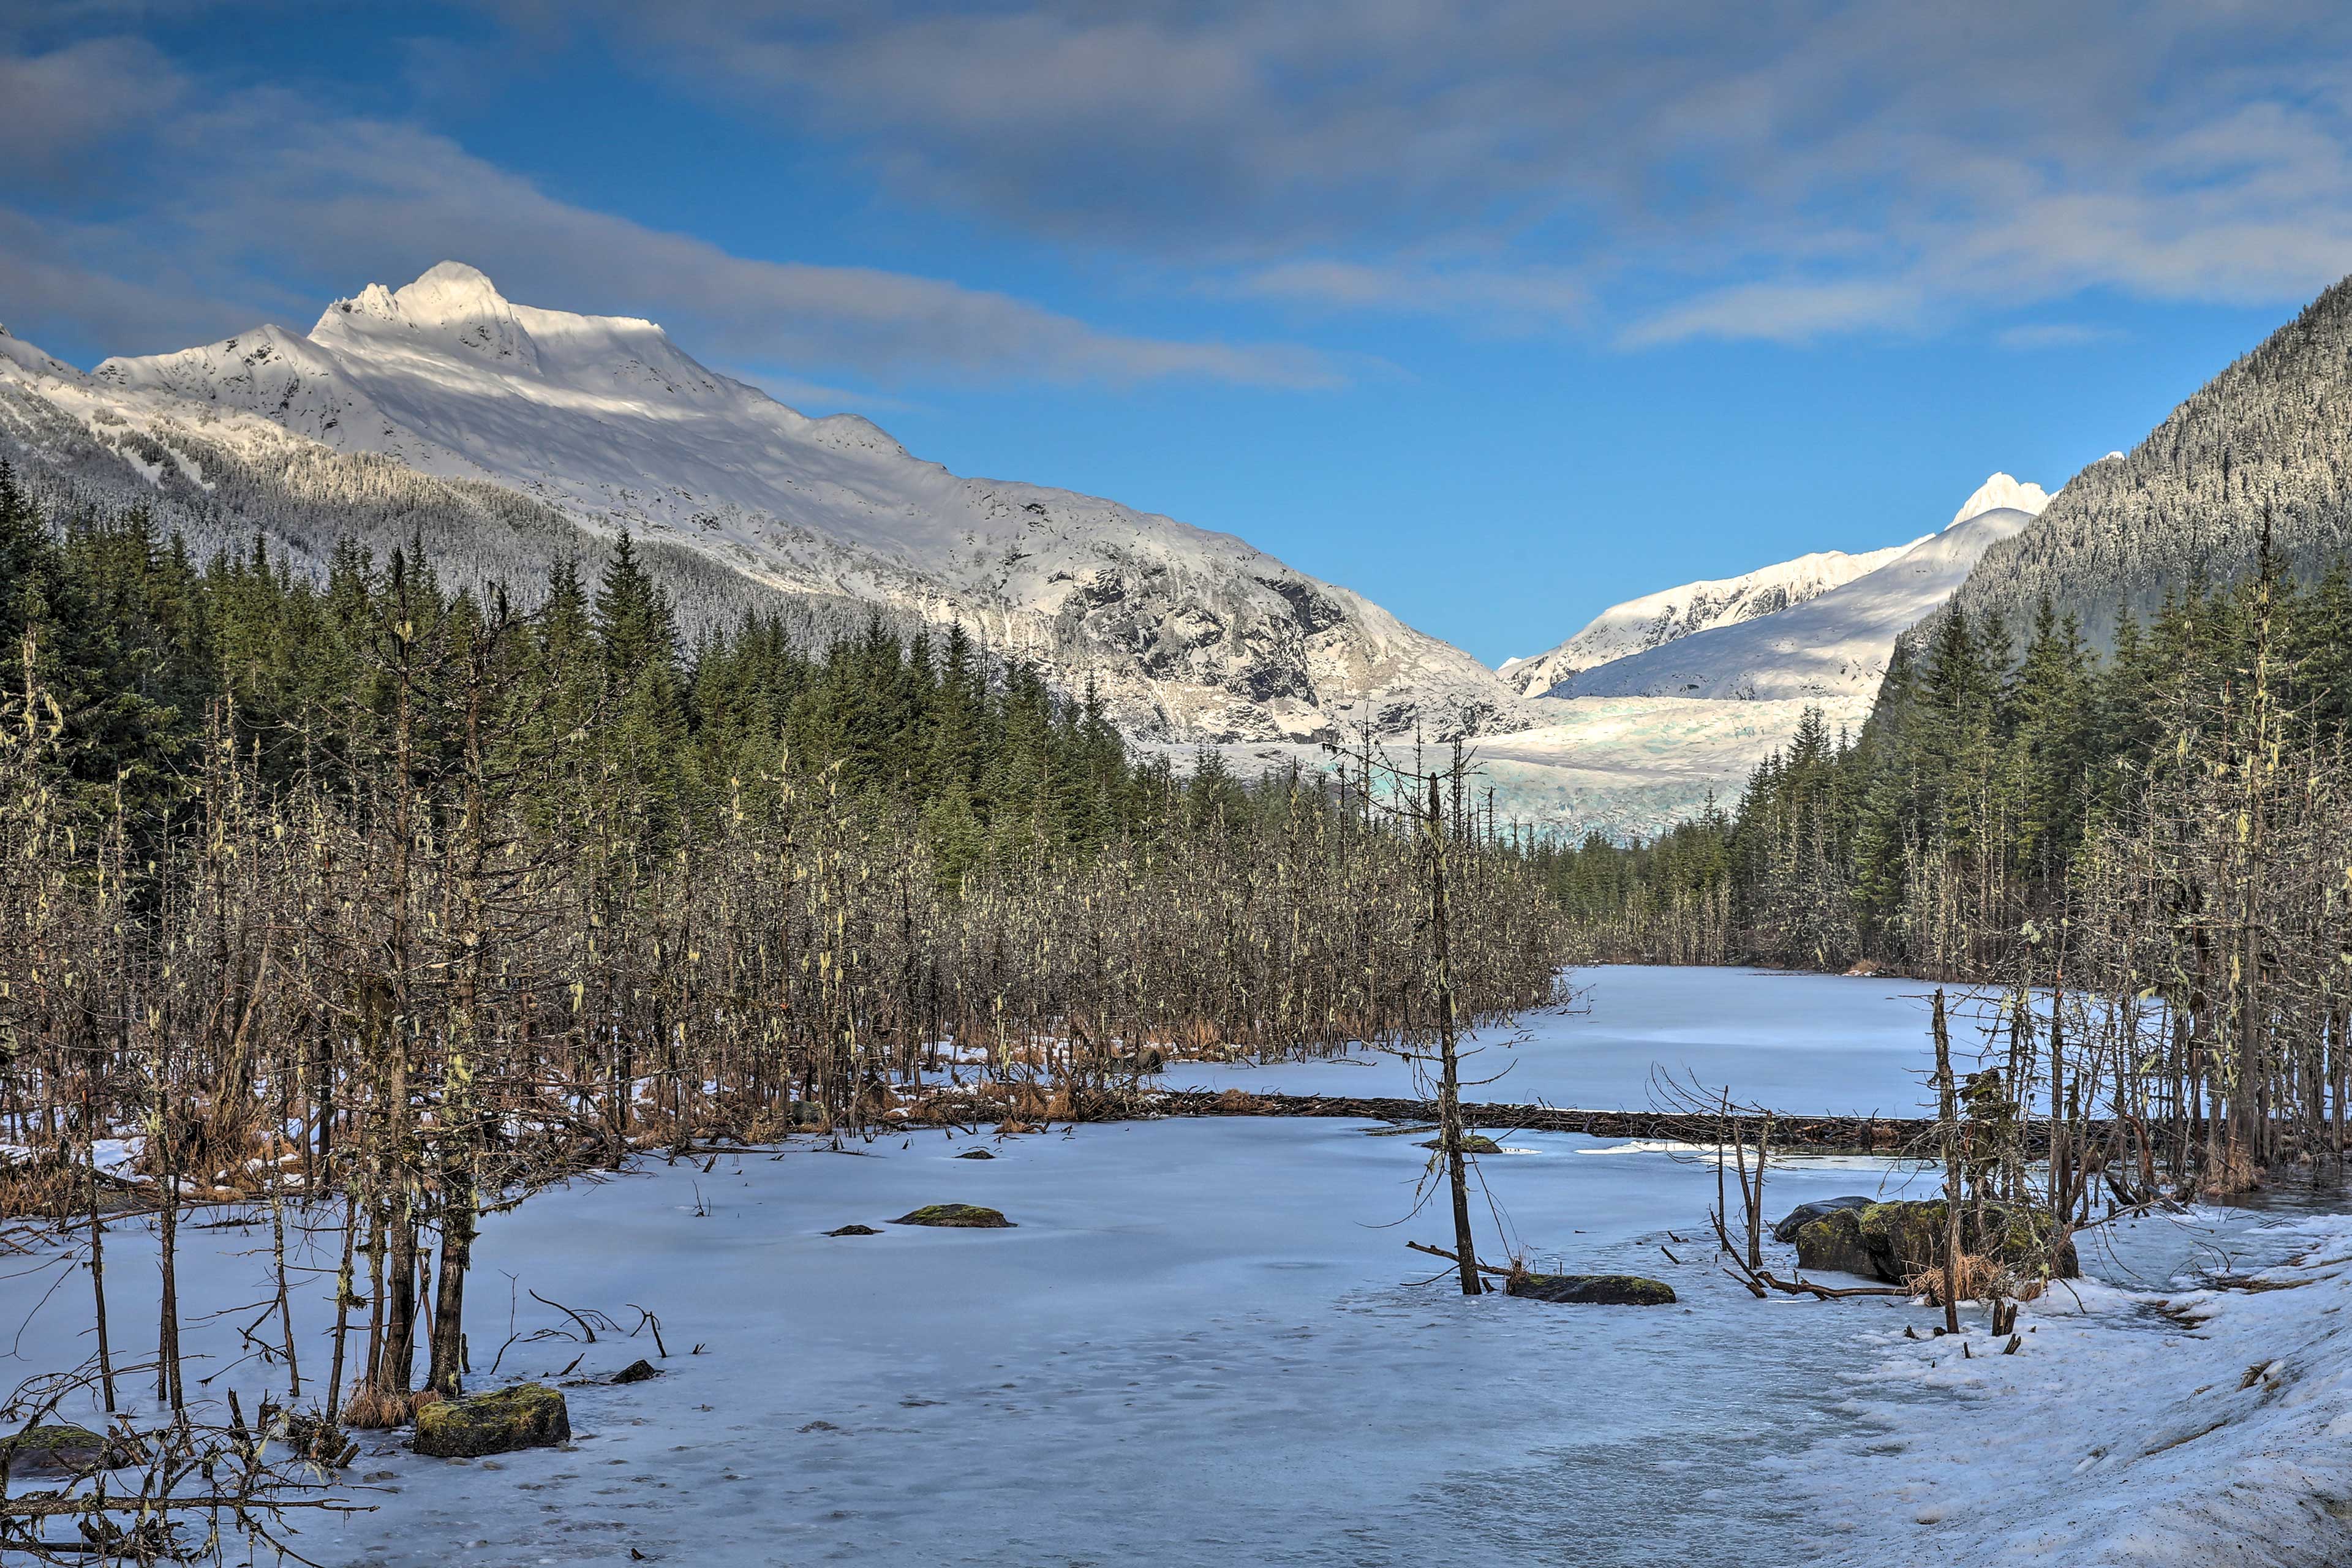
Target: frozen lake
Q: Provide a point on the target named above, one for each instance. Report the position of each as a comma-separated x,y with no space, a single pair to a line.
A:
1203,1344
1818,1044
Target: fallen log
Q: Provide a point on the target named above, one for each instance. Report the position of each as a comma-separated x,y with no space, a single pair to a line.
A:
1826,1292
1449,1257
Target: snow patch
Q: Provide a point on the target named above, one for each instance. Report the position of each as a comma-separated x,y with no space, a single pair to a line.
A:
1656,619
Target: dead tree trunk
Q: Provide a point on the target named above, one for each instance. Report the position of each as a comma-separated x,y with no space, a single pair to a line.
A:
1948,1132
1449,1082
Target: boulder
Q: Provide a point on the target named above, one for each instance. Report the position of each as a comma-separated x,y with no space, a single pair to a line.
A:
528,1416
854,1230
957,1216
1593,1289
1471,1144
1832,1243
60,1449
638,1371
1904,1238
1804,1214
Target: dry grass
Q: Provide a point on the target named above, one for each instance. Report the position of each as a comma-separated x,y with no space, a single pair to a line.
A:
373,1409
45,1186
2234,1173
1981,1279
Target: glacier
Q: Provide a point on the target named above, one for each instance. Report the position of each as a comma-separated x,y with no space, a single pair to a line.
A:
1640,623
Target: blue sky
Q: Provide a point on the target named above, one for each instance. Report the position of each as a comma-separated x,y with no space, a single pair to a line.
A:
1498,312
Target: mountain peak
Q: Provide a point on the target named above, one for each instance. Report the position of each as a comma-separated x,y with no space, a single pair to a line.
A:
451,288
452,304
2001,490
17,352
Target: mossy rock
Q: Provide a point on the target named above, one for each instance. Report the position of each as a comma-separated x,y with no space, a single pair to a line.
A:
1592,1289
62,1448
528,1416
1832,1243
1804,1215
1471,1144
1904,1238
955,1217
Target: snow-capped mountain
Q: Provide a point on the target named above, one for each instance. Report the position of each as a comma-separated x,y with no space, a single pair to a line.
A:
605,424
1656,619
1836,645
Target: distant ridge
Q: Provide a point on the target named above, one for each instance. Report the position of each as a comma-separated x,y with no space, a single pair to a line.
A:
1639,625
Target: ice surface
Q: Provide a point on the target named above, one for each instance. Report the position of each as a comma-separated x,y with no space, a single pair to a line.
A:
1196,1347
1802,1043
1200,1346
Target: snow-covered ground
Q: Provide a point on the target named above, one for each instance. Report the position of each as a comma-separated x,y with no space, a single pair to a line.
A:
1815,1043
1201,1346
2149,1421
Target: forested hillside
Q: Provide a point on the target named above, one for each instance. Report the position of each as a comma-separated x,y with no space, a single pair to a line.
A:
2263,450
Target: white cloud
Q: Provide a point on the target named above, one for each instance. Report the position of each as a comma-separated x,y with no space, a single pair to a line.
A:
2053,335
1534,296
1783,171
264,185
1780,312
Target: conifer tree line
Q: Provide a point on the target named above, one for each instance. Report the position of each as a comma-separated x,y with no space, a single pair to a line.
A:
376,894
2147,857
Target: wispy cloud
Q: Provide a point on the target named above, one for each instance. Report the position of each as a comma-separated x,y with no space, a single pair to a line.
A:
2053,335
1786,172
1780,312
258,199
1535,296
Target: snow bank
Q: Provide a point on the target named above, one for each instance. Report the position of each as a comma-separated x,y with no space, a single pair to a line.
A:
2192,1426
